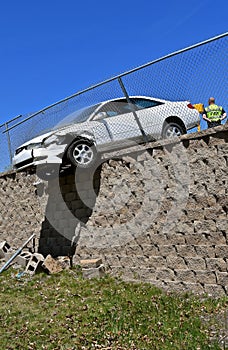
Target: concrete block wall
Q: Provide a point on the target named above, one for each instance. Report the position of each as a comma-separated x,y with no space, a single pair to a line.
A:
156,215
21,214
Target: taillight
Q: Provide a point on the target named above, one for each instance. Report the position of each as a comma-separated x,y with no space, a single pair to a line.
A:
190,106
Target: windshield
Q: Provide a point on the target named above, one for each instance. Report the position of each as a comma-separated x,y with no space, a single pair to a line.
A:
76,117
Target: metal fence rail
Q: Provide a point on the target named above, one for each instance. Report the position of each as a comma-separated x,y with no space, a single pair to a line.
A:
194,74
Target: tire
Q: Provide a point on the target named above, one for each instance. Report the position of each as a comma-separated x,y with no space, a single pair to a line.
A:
82,153
172,129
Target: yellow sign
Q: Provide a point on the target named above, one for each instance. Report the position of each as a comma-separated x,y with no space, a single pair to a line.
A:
199,107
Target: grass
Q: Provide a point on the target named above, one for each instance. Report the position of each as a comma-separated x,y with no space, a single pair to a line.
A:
65,312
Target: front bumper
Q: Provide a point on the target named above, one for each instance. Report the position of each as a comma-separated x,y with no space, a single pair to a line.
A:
40,156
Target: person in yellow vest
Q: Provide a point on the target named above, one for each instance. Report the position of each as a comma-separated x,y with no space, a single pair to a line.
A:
213,114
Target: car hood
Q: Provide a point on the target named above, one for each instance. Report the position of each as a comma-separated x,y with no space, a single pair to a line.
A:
44,136
37,139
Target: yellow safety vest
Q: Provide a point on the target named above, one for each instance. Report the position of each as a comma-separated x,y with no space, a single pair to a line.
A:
214,112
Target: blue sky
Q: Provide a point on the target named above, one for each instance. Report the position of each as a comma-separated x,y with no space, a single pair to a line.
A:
51,49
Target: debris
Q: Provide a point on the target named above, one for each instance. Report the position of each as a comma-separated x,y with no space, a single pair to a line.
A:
92,268
4,248
94,272
34,264
16,253
65,262
20,274
23,258
52,265
90,263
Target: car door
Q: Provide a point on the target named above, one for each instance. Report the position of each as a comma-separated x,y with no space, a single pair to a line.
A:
151,114
119,120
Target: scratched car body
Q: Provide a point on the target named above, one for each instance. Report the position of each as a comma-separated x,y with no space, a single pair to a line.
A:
83,135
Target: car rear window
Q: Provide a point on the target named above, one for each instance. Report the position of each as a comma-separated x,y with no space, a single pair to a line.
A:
142,103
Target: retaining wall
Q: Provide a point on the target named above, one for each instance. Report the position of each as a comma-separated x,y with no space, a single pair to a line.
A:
157,214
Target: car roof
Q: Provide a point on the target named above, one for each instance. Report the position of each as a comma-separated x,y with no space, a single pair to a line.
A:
133,96
99,104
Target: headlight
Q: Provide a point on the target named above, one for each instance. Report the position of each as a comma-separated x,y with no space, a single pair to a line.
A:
55,139
19,150
34,145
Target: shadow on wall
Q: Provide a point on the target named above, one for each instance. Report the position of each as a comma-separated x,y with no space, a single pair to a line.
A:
70,202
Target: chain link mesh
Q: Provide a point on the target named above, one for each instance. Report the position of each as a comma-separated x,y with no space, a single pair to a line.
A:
192,75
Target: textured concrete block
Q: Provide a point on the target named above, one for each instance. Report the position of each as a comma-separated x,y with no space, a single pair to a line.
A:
195,263
140,274
165,274
186,250
155,261
195,288
205,276
148,250
23,258
9,255
4,249
90,263
158,239
196,239
175,238
205,251
222,278
166,250
185,275
52,265
175,286
34,264
176,262
216,238
216,264
94,272
221,251
214,290
64,261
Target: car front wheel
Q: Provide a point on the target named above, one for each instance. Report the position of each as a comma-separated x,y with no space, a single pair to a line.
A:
172,130
82,153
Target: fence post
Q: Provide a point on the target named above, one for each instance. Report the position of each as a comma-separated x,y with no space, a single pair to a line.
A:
9,142
132,108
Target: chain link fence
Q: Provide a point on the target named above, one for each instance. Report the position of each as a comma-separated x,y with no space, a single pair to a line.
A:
192,74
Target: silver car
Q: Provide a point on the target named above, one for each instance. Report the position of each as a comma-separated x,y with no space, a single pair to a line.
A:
83,135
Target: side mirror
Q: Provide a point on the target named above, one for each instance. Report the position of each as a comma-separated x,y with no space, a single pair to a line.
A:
100,115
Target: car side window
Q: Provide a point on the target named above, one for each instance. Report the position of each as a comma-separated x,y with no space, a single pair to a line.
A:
108,109
142,103
114,108
124,107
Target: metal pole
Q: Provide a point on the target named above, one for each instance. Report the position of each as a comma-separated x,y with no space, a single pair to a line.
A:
132,109
12,120
16,254
9,142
